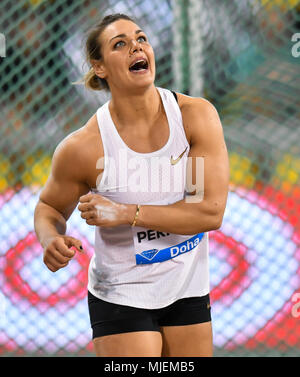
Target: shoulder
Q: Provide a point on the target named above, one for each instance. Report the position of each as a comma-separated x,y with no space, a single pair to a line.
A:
199,115
191,105
67,147
73,153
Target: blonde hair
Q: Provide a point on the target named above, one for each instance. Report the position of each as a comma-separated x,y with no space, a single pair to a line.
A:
93,51
94,82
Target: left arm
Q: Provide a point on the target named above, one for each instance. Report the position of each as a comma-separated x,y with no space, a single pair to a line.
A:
183,217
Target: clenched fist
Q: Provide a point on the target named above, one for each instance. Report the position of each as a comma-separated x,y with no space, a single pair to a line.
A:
57,253
100,211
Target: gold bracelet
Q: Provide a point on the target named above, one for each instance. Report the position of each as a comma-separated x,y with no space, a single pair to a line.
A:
136,215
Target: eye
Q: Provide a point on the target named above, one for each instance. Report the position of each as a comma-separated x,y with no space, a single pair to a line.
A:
143,38
119,44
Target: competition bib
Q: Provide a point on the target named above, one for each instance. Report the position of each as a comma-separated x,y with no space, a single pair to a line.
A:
152,246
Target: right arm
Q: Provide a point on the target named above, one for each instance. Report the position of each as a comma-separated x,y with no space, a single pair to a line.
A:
57,201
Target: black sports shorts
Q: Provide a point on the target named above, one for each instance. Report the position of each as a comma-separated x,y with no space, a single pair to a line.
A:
107,318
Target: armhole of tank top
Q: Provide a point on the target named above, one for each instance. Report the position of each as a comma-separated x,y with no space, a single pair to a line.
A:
175,95
180,116
103,141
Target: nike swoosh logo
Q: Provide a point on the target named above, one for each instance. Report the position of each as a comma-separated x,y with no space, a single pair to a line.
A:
174,162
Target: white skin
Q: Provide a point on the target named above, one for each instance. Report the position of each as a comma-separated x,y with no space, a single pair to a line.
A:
109,212
98,210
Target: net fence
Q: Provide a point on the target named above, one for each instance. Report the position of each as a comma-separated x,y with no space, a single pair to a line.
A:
244,57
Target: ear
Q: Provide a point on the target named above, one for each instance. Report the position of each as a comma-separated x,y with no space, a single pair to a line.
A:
99,68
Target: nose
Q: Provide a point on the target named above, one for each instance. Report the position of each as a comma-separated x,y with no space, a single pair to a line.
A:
135,46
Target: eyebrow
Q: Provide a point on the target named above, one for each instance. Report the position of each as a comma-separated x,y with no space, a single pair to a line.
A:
124,35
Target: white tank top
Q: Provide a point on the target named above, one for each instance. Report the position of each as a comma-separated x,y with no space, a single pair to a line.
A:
141,267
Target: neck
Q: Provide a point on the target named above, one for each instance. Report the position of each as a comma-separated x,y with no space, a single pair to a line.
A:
132,109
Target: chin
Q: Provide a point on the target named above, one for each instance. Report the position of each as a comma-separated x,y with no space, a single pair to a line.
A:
137,82
141,83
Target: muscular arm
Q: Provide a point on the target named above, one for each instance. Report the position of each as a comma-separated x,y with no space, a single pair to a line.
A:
207,141
61,193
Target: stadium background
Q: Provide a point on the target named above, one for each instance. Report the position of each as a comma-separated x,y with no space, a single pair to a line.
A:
239,55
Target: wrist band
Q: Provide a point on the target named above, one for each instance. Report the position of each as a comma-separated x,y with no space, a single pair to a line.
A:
136,215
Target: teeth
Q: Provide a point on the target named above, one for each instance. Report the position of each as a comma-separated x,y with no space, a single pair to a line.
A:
138,61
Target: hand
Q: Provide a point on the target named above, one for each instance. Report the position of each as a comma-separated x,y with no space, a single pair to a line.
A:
57,253
100,211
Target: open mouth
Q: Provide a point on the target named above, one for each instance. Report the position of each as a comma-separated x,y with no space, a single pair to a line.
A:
139,66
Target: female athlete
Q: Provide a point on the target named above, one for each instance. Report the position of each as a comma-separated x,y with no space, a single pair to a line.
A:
134,168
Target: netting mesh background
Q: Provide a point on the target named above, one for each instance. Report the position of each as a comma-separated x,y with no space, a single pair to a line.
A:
238,54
